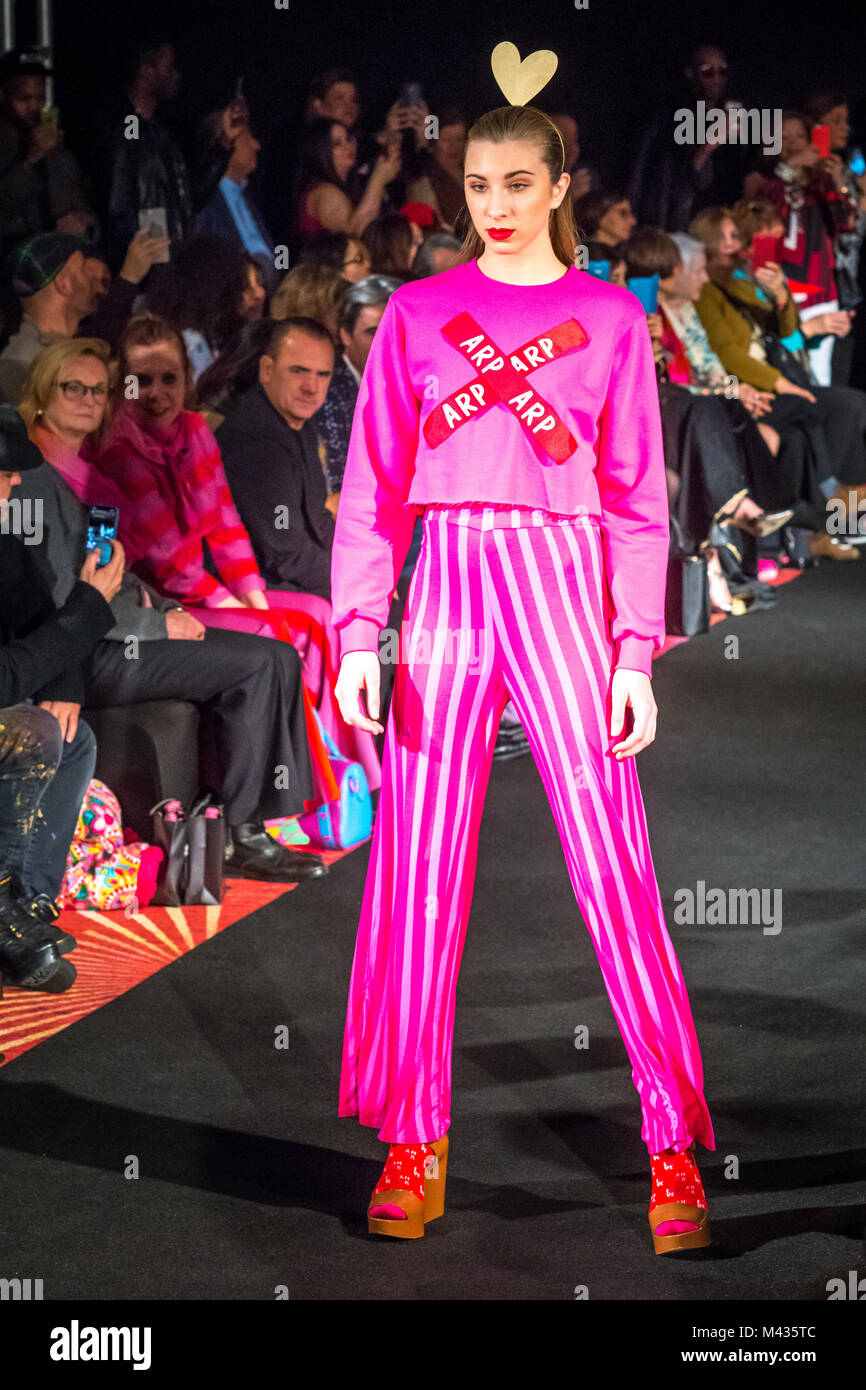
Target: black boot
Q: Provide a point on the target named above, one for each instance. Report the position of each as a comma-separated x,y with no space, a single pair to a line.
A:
256,854
41,909
29,957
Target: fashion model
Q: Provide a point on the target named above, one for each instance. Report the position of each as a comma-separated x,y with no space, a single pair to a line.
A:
512,401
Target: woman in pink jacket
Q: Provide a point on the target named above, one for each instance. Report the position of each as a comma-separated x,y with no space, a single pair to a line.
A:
512,401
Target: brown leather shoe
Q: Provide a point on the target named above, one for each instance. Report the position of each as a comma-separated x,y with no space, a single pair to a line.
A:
831,547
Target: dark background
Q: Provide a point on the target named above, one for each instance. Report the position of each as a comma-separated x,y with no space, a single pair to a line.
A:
618,58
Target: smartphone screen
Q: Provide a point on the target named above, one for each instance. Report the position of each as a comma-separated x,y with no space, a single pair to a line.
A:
101,527
764,248
821,139
155,222
646,287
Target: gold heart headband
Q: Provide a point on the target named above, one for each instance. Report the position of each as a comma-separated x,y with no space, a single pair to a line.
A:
519,81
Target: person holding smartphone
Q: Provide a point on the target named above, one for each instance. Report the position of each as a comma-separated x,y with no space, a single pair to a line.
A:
41,185
831,110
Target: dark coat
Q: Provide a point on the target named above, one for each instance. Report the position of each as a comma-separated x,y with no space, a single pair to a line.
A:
269,465
215,219
42,648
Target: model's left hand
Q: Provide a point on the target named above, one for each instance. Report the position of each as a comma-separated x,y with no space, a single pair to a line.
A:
632,689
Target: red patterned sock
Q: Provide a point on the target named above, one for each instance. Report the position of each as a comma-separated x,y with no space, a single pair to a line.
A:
404,1168
675,1178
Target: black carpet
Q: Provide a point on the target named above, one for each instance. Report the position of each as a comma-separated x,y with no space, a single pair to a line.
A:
164,1148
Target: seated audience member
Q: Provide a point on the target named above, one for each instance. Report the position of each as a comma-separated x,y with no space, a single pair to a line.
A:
815,204
347,254
311,292
759,215
231,152
41,187
65,287
439,251
438,172
181,528
605,216
359,316
269,448
393,241
235,371
248,691
210,289
701,445
831,109
692,363
749,320
47,754
148,170
329,195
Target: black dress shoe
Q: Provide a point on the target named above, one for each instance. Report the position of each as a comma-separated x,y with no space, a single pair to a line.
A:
256,854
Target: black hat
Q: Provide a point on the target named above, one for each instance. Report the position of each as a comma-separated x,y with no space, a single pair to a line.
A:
34,263
18,454
24,62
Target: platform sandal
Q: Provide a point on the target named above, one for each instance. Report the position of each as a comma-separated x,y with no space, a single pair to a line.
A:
678,1214
412,1183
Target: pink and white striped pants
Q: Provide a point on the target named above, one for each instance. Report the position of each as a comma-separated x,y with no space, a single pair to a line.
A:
506,602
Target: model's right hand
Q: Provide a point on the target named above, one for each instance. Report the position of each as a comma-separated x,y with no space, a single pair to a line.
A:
357,670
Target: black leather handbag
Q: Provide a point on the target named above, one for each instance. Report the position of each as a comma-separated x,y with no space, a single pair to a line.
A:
194,845
687,596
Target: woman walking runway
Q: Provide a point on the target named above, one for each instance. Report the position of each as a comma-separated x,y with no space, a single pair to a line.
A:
512,401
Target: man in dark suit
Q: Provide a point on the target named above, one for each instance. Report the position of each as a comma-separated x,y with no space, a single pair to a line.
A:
270,450
229,158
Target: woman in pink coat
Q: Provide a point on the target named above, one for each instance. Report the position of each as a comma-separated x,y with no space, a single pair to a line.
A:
512,401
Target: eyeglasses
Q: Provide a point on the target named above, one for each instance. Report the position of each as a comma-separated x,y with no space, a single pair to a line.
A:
76,390
713,70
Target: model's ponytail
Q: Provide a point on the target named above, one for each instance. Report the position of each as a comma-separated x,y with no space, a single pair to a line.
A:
527,123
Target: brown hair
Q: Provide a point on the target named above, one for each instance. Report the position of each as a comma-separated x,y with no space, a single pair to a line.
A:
706,226
45,372
527,123
309,291
650,251
146,330
754,215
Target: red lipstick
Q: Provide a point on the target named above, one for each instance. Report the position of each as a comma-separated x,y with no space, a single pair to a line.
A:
500,233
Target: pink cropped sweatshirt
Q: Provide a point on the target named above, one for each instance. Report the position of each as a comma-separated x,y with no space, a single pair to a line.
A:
523,395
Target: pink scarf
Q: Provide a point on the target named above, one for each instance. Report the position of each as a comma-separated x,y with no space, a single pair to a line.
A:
174,453
90,486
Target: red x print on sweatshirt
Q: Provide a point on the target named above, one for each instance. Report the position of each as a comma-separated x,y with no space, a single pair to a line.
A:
502,380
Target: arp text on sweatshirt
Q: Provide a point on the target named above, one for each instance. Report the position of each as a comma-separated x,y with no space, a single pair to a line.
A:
522,395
